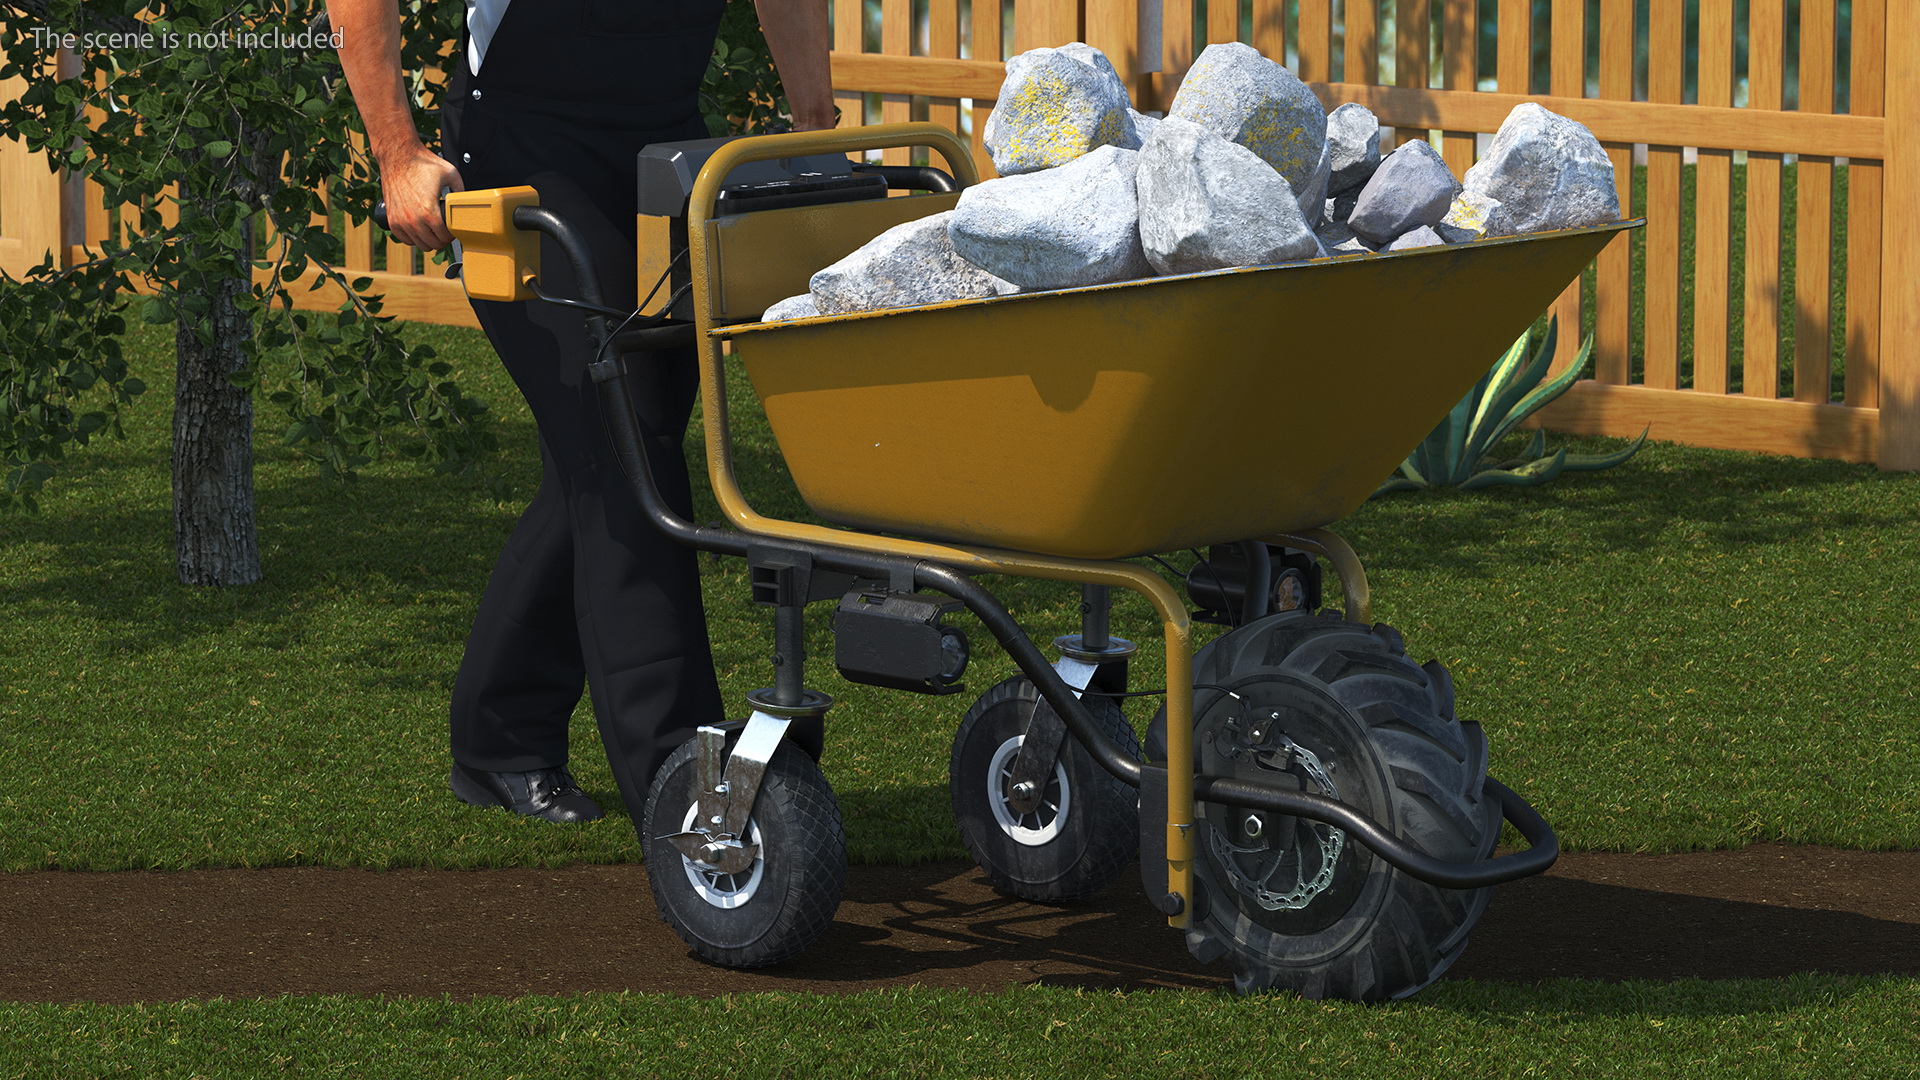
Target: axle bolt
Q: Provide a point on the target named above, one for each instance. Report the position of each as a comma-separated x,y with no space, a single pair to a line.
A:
1253,826
1023,790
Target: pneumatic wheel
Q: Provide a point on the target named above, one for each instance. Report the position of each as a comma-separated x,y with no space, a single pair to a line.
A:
1334,708
780,904
1084,831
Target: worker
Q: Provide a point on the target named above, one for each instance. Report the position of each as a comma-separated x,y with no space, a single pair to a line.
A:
562,95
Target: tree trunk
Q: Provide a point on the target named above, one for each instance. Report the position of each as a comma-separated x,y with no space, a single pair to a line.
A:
215,542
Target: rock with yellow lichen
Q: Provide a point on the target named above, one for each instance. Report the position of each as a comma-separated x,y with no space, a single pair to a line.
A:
1543,171
1475,215
1207,204
1056,105
1244,97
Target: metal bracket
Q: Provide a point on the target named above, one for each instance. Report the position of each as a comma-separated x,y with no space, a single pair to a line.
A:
729,785
1045,734
784,575
1153,842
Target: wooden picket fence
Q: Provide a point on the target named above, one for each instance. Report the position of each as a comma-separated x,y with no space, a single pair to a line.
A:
1696,351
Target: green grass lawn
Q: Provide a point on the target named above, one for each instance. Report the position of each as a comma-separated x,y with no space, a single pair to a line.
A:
1806,1026
1698,649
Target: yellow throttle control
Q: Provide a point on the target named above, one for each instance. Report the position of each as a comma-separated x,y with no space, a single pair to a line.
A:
498,261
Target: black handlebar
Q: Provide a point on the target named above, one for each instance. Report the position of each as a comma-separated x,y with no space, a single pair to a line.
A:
911,177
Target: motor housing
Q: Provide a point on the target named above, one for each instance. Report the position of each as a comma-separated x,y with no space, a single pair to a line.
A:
1218,584
897,640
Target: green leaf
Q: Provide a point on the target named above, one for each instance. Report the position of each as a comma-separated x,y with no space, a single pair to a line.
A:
1514,382
1396,483
1528,475
1593,462
1456,422
1533,402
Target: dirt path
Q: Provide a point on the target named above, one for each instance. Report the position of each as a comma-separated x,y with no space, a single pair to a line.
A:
1763,912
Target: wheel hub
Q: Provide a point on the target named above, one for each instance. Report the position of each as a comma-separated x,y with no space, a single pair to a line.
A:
1039,825
716,886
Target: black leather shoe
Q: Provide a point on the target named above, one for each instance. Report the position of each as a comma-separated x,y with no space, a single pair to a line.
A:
542,793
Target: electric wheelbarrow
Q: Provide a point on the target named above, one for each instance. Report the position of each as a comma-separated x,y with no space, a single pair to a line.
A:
1308,807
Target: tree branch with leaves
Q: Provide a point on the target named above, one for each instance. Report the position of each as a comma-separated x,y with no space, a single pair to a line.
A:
240,142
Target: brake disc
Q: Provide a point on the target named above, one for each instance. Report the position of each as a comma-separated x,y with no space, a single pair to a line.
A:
1287,862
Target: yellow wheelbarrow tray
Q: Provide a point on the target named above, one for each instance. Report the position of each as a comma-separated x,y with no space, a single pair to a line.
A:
1056,434
1146,416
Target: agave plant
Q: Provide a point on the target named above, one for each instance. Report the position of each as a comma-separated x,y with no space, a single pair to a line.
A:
1454,454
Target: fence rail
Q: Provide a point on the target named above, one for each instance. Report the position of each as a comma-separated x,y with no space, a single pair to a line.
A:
1735,293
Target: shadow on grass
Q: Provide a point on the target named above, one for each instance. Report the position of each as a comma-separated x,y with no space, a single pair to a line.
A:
416,542
1561,928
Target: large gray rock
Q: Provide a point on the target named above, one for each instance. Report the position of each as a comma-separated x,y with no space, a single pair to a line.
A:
1246,98
1545,172
907,265
1078,224
1353,142
1411,188
1206,203
1054,106
793,307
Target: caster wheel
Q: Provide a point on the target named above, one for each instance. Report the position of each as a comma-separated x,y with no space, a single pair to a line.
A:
785,900
1083,833
1333,708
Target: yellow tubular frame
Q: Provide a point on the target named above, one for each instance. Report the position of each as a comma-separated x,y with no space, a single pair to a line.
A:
726,488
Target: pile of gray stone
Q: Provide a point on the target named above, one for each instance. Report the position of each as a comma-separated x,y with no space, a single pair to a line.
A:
1245,169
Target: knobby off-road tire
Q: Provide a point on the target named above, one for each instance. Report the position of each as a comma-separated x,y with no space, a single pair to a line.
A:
1085,831
780,905
1333,708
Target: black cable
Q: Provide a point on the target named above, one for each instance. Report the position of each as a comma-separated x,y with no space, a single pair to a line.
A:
1159,693
611,313
664,274
1168,567
601,354
646,320
1227,690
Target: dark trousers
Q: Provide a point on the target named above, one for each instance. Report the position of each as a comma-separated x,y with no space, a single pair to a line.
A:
587,589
